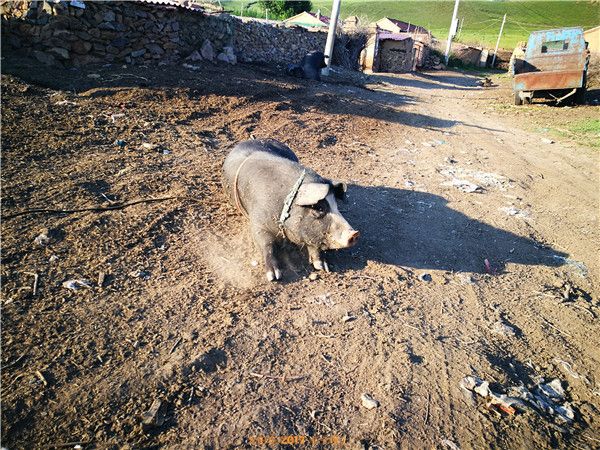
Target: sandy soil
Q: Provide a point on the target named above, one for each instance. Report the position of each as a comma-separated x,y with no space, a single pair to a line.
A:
176,312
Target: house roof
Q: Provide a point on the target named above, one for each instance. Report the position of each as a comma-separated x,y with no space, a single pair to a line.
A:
407,27
298,18
393,36
323,18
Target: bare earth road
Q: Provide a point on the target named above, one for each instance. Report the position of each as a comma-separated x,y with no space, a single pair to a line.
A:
478,257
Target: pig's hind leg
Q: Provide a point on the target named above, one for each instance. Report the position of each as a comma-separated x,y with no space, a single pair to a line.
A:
314,257
265,242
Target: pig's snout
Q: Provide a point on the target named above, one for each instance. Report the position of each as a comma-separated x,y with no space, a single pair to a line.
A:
352,237
341,234
349,238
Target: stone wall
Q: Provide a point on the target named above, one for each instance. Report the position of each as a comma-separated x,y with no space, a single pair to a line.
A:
79,33
256,41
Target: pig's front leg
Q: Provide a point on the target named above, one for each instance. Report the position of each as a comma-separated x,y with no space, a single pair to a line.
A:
264,241
314,257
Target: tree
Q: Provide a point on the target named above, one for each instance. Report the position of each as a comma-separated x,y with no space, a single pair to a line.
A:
282,9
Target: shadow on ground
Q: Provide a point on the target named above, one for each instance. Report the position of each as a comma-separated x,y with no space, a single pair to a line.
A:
243,82
592,98
422,80
418,230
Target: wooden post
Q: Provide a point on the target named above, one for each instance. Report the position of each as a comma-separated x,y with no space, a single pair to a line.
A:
498,41
452,31
335,14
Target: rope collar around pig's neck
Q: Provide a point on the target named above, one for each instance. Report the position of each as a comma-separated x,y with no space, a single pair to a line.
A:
236,194
287,204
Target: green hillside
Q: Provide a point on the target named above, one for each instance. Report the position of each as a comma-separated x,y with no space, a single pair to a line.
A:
481,18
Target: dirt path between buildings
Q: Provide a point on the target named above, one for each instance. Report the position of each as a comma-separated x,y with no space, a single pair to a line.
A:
478,257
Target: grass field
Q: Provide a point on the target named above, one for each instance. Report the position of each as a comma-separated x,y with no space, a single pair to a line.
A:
482,19
587,131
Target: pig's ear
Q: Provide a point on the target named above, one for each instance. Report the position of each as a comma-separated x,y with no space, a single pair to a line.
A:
311,193
339,190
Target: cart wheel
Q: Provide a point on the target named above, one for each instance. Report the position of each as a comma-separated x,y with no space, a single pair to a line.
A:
518,99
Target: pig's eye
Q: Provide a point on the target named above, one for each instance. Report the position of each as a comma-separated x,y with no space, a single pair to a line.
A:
320,208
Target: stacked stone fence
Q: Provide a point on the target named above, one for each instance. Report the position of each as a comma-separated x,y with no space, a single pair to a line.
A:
78,33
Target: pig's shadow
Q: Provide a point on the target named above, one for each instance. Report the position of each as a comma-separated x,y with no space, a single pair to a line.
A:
418,230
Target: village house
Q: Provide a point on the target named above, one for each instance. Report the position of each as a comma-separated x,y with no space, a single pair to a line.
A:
592,37
395,46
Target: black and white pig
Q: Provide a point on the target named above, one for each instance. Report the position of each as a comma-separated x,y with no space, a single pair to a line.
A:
284,200
310,66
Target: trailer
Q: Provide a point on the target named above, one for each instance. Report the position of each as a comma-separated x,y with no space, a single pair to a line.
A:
553,64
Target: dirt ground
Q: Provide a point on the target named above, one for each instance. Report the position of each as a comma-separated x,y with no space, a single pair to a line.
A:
478,257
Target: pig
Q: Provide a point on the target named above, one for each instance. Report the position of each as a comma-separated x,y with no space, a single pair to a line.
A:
284,200
310,66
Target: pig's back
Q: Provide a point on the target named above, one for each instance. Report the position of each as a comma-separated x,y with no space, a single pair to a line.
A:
271,146
269,169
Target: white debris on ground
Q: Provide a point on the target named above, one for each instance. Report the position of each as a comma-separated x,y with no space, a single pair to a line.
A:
515,212
191,66
569,369
547,398
550,397
368,401
451,445
464,185
324,299
42,239
579,267
502,401
503,329
78,284
474,180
